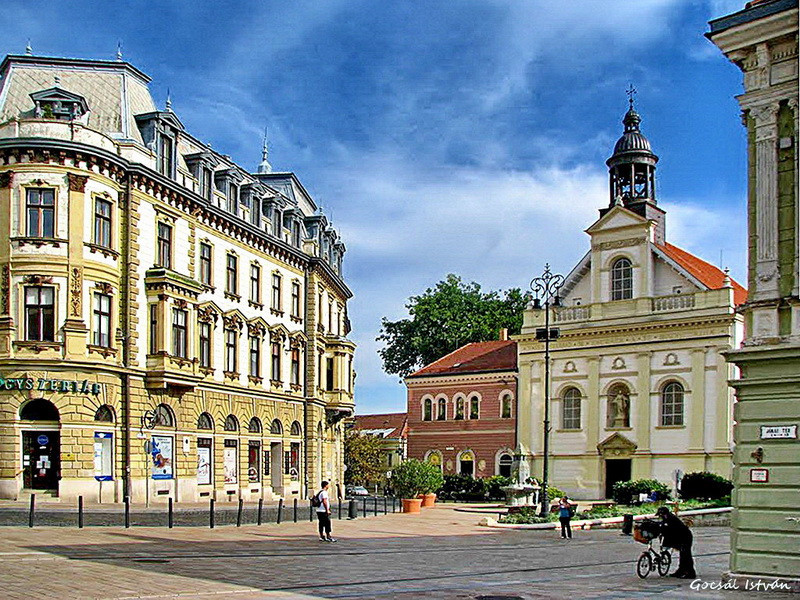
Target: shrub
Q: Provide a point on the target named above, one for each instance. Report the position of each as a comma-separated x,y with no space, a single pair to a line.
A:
627,492
413,477
463,488
554,493
704,486
526,515
494,487
433,479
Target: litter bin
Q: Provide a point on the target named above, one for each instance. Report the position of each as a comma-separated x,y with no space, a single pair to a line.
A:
352,509
627,524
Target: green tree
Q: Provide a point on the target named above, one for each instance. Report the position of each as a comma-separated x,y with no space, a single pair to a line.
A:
445,318
363,455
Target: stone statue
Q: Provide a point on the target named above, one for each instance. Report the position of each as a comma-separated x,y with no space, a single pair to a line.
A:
618,409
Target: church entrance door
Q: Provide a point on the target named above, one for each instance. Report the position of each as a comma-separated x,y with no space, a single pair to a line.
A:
618,469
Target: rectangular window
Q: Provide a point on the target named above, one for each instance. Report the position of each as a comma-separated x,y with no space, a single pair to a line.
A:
205,263
102,320
255,356
164,246
267,461
330,316
230,460
287,462
179,332
233,199
165,156
276,361
295,299
230,350
41,212
253,458
255,284
329,374
204,461
205,345
231,270
153,328
39,314
296,234
206,186
294,460
295,378
102,222
276,291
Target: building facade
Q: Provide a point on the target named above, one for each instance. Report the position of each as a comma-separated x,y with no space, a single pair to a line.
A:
462,410
639,384
392,430
171,325
765,540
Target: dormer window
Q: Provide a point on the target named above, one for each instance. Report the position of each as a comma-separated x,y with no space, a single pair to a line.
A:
160,130
202,164
55,103
166,162
233,199
206,183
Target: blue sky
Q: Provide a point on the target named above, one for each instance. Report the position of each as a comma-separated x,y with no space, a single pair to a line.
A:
441,136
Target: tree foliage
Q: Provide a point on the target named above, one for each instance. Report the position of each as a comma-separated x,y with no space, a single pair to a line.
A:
446,317
363,455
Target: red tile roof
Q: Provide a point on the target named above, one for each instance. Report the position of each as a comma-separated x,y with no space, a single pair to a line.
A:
478,357
397,422
706,273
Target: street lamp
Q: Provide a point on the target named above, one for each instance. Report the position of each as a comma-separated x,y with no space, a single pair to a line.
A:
546,288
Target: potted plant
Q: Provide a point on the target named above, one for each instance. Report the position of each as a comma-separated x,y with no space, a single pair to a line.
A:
433,482
408,481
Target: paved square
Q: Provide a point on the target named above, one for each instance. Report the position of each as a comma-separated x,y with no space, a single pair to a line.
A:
441,553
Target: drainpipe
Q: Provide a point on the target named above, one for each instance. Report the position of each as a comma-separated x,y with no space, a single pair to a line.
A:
305,387
126,314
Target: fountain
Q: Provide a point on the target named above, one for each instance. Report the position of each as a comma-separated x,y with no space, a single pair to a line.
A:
524,491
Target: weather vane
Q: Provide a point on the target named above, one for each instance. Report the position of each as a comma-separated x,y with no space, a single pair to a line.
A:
631,91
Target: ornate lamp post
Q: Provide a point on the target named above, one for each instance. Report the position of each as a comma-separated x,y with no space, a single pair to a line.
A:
546,288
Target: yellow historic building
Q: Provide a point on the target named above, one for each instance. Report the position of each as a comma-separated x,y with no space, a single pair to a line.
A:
639,386
171,325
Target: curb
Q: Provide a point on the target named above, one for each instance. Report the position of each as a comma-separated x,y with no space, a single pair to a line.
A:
607,523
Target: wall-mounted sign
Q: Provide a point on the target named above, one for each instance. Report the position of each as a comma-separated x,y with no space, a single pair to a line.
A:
759,475
103,455
779,432
42,440
61,386
162,453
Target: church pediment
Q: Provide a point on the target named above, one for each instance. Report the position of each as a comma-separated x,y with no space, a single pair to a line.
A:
616,218
616,444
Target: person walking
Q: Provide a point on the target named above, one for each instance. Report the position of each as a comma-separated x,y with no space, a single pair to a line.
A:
676,534
565,516
324,513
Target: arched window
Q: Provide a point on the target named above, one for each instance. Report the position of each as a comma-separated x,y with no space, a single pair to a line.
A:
254,426
571,409
104,414
204,421
441,414
618,407
466,463
164,417
276,428
39,410
434,457
427,410
621,279
231,423
504,464
459,413
296,429
474,408
505,406
672,404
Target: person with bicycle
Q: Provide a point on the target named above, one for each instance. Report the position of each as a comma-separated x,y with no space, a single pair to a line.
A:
676,534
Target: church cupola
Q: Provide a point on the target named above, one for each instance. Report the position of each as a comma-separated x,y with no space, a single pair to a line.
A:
632,172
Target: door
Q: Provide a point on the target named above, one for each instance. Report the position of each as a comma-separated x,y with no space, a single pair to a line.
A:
41,454
276,454
618,469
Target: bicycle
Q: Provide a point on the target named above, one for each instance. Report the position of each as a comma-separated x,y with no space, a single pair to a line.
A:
650,561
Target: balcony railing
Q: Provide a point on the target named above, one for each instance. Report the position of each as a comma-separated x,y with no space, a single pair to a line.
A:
572,313
676,302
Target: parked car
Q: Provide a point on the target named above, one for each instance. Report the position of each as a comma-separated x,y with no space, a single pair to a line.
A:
355,490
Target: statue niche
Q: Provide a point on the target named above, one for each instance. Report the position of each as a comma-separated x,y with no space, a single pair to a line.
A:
619,407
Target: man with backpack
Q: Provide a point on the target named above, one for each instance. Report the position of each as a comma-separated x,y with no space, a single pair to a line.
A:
321,501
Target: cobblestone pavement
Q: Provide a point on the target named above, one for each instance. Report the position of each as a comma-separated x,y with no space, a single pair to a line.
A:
440,554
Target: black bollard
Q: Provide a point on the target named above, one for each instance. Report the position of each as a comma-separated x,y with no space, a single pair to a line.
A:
260,508
280,511
294,510
30,512
340,509
170,519
239,513
127,512
363,507
384,506
627,524
352,509
211,513
80,512
310,511
375,506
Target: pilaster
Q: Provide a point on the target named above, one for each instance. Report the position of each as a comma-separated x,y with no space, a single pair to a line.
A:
642,411
697,423
75,329
6,319
593,404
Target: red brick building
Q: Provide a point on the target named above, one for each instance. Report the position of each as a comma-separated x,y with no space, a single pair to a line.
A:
462,410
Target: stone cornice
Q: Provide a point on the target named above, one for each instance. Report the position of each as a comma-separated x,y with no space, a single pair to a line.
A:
484,377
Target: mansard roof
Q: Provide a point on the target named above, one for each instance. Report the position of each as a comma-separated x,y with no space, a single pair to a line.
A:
477,357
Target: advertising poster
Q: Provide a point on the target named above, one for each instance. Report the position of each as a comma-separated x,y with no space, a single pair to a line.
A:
103,455
230,460
162,454
203,461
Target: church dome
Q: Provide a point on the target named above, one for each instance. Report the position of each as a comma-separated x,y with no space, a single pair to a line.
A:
632,140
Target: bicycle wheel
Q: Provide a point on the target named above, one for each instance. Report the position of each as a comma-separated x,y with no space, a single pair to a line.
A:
664,562
644,565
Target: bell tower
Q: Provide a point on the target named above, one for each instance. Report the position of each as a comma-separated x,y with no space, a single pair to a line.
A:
632,172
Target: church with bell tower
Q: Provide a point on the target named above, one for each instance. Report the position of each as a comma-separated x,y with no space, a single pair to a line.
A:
638,379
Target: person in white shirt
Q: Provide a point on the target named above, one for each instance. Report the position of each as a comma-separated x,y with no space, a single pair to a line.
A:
324,514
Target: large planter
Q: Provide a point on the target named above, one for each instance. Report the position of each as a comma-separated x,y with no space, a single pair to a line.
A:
412,505
428,500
